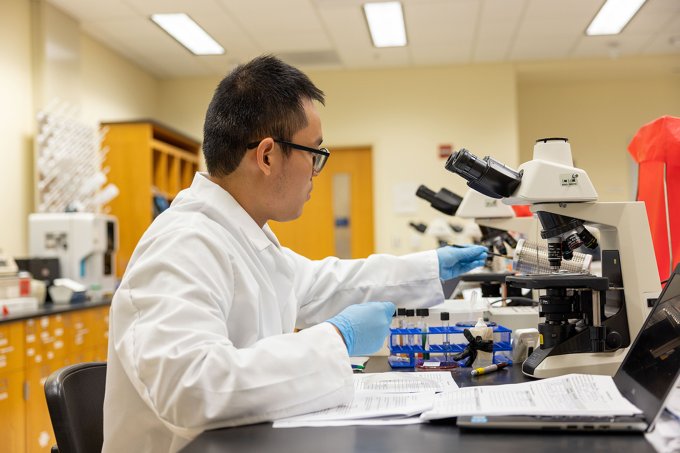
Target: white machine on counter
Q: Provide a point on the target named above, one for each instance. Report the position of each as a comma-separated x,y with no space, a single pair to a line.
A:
85,243
590,321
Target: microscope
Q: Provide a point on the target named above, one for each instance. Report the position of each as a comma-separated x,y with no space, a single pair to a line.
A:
589,321
491,217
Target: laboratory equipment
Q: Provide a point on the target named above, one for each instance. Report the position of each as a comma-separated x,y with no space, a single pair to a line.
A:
7,265
84,243
443,342
590,320
524,341
446,343
482,334
422,314
443,201
532,258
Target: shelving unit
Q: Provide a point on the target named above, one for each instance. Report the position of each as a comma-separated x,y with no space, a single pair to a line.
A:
146,160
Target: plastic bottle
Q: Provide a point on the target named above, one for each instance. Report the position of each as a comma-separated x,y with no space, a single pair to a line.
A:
482,330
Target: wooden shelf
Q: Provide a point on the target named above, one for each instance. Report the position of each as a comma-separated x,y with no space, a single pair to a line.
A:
145,159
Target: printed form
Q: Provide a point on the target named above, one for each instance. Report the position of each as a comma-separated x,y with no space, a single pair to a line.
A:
573,394
380,399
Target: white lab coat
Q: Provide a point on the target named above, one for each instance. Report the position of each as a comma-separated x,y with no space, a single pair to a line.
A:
201,328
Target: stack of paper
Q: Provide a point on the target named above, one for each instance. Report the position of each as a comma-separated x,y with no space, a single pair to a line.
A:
397,398
381,399
573,394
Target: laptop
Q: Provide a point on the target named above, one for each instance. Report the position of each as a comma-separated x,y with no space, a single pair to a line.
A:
646,376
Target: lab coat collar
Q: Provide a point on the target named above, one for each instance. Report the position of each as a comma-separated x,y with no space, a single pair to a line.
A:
223,202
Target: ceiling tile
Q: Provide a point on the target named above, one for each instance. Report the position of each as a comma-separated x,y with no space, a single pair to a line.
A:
85,10
533,48
333,33
441,22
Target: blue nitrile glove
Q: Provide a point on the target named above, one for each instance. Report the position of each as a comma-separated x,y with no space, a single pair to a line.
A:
364,326
454,261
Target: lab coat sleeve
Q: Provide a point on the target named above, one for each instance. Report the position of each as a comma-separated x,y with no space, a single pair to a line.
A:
325,287
170,335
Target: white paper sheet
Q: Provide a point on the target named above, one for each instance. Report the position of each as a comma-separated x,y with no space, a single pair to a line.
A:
395,382
414,420
366,405
573,394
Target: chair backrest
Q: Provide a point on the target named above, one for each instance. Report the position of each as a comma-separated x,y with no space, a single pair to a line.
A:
75,399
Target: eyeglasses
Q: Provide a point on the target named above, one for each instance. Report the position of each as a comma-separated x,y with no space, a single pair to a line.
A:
320,155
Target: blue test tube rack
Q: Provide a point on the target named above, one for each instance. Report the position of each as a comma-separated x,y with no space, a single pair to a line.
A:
404,355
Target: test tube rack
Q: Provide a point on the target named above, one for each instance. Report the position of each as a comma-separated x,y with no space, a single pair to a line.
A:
407,350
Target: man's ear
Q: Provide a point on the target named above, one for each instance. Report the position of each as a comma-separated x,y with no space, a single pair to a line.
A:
265,155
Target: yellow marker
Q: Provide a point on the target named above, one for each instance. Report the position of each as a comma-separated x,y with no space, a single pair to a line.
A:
489,369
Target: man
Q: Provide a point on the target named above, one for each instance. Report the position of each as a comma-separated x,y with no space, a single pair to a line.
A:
201,327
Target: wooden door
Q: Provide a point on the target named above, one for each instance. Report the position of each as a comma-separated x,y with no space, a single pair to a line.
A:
315,233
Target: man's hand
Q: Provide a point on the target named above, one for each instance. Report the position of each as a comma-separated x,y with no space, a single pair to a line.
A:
364,326
454,261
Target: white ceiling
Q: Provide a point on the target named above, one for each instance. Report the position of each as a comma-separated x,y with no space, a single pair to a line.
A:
333,33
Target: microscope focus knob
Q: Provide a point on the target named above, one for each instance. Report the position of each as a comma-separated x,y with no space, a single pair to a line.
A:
614,340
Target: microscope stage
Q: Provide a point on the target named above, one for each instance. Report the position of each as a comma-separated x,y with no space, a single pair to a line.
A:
546,281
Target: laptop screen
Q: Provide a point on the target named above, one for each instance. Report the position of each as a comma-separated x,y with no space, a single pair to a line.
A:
651,366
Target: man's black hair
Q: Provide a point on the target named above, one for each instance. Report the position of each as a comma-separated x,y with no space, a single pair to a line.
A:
262,98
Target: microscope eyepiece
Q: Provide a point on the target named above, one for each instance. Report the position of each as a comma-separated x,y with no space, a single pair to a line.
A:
487,175
425,193
444,201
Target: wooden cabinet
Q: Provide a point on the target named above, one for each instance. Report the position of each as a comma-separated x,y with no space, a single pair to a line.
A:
46,351
12,413
30,351
146,160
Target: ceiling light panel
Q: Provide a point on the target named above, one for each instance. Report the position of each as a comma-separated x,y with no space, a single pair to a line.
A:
613,16
188,33
386,24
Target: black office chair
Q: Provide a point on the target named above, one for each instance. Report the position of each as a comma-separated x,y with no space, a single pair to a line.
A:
75,399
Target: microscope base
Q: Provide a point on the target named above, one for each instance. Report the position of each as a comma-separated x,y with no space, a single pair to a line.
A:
604,363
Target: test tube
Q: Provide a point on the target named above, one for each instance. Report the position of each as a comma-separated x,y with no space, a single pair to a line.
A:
423,313
410,325
444,317
401,323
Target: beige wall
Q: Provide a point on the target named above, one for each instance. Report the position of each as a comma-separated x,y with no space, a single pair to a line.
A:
16,124
403,115
496,110
599,105
114,89
109,88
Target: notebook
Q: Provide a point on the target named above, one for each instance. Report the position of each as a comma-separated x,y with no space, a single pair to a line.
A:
645,378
